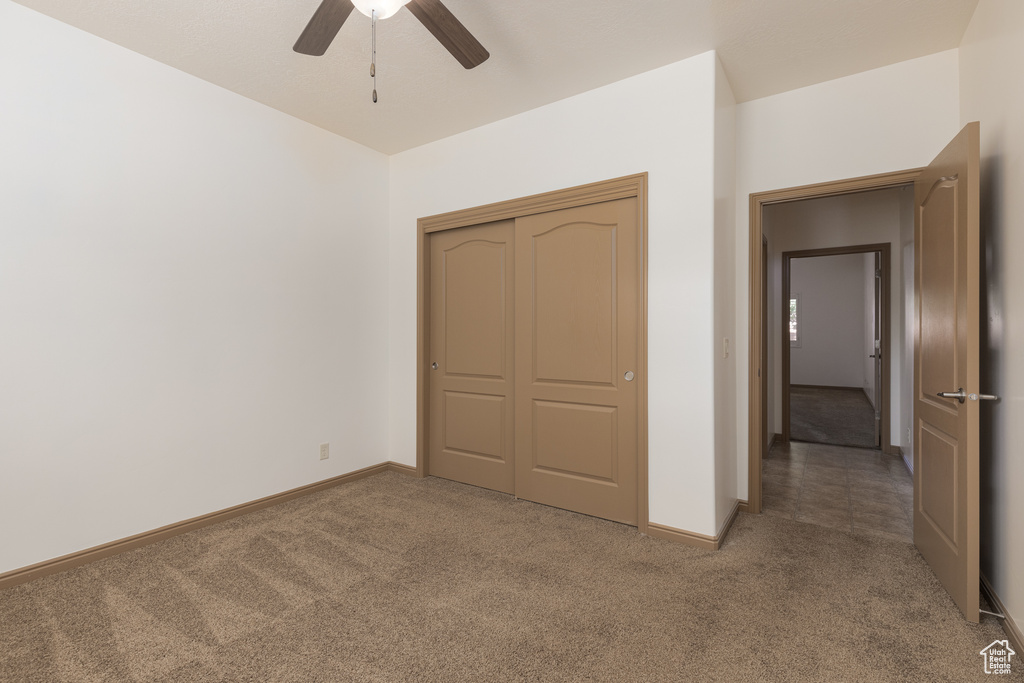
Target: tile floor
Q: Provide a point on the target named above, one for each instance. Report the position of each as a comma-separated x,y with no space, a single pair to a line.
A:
856,489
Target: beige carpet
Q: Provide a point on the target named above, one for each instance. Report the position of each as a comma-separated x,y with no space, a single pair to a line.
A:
397,579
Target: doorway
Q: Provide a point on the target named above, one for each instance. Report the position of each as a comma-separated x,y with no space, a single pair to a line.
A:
835,349
761,366
827,311
532,348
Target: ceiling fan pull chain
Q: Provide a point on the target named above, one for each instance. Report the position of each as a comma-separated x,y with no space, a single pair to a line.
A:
373,51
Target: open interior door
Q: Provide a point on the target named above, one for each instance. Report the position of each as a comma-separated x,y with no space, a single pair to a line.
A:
946,391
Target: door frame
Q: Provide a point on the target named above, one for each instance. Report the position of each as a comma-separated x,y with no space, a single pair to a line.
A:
767,438
581,195
884,320
758,201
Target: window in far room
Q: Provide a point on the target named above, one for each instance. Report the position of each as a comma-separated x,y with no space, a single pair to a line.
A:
794,320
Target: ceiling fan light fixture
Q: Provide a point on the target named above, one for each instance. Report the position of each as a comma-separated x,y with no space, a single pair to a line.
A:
330,16
383,8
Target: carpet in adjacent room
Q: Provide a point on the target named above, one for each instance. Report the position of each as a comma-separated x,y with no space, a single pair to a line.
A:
831,415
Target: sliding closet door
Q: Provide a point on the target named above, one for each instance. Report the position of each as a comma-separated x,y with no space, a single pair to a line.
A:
472,354
577,315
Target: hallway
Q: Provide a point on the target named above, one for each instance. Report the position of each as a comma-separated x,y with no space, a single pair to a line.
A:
855,489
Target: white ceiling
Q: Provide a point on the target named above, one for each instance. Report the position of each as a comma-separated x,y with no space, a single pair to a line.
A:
541,51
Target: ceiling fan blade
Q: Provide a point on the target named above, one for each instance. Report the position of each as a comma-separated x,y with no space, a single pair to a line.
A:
450,32
322,28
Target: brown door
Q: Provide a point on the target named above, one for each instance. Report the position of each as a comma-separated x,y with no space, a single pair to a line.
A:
577,358
472,354
946,361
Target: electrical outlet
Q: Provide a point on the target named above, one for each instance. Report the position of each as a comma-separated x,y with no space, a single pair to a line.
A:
325,451
908,435
725,347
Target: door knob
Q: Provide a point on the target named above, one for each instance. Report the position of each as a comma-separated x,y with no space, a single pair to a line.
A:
629,375
433,366
958,394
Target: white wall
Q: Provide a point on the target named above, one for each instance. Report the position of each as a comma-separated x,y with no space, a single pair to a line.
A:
991,71
831,320
888,119
845,220
725,297
661,122
192,292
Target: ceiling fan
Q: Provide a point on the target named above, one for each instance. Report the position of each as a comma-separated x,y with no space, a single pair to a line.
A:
331,14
